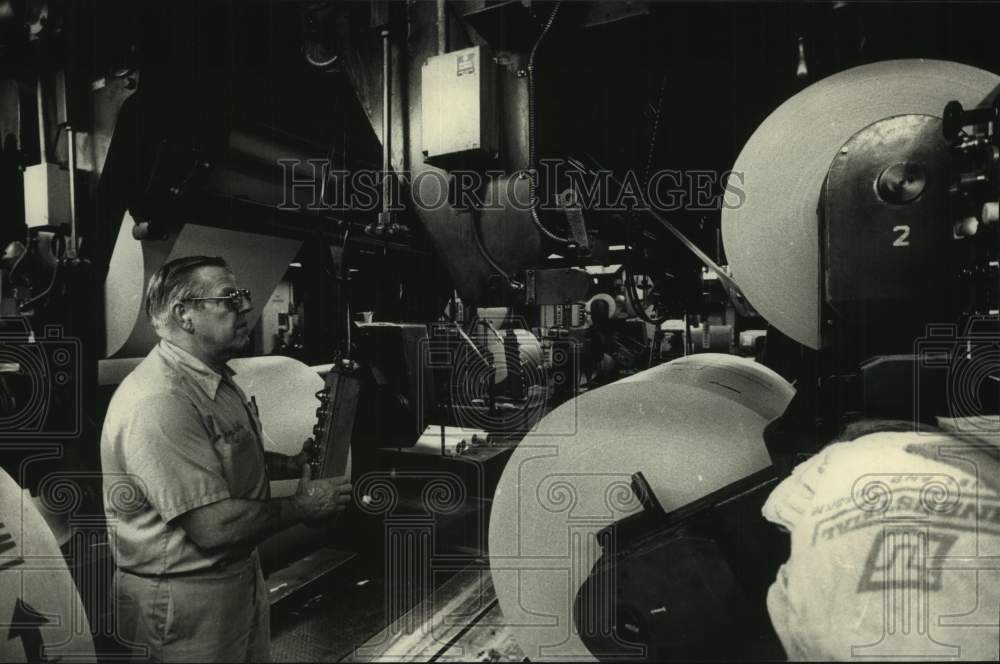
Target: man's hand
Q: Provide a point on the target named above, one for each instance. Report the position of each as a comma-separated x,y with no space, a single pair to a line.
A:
324,498
303,458
284,467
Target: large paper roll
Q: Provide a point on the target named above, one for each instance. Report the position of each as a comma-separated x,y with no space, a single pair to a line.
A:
285,392
41,616
772,238
692,426
259,262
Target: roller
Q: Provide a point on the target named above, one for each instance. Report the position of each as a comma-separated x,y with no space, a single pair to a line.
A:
691,426
772,238
43,618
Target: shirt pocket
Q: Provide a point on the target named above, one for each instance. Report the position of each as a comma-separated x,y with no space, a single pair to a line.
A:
242,462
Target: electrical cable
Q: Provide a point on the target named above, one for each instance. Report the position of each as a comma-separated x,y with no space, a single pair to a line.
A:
342,287
484,252
60,241
724,277
532,148
57,232
629,282
321,63
630,287
654,132
17,263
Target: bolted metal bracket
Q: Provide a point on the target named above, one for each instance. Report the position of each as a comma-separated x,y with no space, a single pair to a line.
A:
569,201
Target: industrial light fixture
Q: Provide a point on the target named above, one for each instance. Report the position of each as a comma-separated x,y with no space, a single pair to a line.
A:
803,68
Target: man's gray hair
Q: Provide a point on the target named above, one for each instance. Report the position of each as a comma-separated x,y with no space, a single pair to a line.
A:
174,282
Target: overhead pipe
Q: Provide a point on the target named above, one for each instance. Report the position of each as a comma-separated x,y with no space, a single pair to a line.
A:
41,119
71,151
442,28
386,113
386,224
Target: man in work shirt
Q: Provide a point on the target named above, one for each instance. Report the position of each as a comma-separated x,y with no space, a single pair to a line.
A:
187,480
895,538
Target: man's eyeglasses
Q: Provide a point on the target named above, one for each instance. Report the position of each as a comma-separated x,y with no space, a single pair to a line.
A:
236,299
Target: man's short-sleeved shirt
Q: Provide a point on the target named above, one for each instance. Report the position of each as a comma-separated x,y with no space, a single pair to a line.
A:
177,436
895,551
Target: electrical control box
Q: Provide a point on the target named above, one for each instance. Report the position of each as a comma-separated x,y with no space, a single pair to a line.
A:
458,100
46,195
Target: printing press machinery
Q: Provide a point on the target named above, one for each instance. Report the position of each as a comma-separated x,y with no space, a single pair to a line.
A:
566,288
